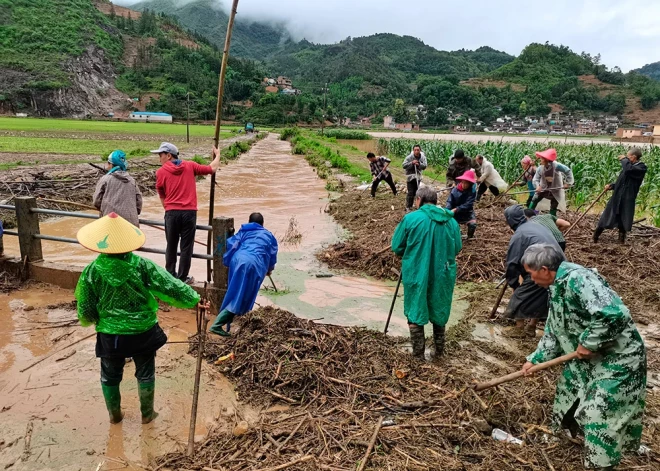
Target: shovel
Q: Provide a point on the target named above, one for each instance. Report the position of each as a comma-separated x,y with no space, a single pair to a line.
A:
396,292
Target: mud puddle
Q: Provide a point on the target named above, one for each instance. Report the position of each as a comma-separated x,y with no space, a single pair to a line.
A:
53,415
287,191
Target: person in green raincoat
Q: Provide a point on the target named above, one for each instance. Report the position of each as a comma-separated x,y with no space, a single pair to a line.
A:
428,240
602,392
118,294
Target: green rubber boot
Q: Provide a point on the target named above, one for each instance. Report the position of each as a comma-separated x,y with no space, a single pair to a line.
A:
225,317
112,398
146,391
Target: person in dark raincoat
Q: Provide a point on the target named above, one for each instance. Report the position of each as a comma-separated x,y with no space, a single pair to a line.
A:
429,240
603,392
461,201
251,256
620,210
529,301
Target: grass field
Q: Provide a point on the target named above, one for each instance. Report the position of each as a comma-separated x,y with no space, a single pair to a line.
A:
101,147
70,125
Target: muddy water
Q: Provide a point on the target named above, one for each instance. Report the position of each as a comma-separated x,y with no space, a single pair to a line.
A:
58,404
365,146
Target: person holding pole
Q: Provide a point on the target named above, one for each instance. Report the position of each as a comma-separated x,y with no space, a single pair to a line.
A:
251,256
549,181
620,209
528,177
490,178
461,202
380,173
602,392
413,164
118,293
177,188
529,302
458,165
428,240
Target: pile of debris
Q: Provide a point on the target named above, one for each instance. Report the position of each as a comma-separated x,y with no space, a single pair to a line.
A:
633,270
356,398
64,188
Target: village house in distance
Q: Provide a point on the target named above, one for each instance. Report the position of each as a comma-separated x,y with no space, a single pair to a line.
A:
281,84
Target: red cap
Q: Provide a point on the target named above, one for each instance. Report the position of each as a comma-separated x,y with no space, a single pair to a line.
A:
469,176
550,154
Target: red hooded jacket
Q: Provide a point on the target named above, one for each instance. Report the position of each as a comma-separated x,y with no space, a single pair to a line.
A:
176,184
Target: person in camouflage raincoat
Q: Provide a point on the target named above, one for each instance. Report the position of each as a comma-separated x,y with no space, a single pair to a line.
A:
603,392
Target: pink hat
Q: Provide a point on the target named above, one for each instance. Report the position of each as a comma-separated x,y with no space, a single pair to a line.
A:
527,160
469,176
550,154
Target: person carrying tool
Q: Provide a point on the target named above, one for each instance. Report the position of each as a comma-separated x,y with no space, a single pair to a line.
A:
413,164
428,240
620,209
118,293
549,181
117,192
177,188
380,173
461,202
556,225
603,392
458,165
251,256
490,178
529,302
528,177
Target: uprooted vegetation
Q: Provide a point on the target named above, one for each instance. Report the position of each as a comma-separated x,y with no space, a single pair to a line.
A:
340,382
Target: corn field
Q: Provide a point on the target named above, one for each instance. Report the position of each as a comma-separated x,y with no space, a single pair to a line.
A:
593,165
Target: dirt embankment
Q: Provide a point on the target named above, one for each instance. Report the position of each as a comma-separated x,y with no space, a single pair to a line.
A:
633,270
339,383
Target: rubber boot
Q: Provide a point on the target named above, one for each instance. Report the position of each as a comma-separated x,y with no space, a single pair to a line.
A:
471,228
225,317
439,340
112,398
146,391
418,340
622,237
553,212
597,234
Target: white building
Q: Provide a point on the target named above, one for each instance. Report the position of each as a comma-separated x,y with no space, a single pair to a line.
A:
151,117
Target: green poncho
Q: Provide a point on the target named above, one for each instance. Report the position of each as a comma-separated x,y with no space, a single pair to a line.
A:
429,240
611,387
118,293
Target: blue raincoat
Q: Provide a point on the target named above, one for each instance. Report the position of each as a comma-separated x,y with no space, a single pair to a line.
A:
250,254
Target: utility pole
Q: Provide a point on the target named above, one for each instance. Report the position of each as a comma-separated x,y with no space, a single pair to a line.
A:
188,117
325,92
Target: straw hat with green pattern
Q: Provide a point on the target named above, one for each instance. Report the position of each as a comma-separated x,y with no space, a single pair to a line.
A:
112,234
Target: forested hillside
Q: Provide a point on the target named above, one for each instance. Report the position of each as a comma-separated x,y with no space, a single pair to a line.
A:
250,39
651,70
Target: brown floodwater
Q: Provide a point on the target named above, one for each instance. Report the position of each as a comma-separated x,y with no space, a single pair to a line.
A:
58,403
365,145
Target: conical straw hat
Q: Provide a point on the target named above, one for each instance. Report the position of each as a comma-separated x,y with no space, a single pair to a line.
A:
111,234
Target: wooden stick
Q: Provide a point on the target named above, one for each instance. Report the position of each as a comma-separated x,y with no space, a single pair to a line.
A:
289,464
218,122
396,292
58,351
202,323
507,190
493,313
293,432
518,374
271,280
585,212
365,458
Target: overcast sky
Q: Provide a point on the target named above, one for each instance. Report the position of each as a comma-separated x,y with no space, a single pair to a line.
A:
625,32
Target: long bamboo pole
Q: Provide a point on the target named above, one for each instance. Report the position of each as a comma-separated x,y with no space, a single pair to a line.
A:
218,119
518,374
586,211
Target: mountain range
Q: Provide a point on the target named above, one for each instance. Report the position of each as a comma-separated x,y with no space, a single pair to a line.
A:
91,57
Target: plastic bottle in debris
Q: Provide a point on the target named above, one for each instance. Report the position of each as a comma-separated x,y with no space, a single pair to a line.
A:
502,436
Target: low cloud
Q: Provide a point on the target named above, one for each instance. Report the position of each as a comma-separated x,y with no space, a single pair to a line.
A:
624,32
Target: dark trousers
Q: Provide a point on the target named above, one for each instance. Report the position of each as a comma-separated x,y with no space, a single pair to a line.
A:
483,188
179,225
411,185
554,204
388,179
112,369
